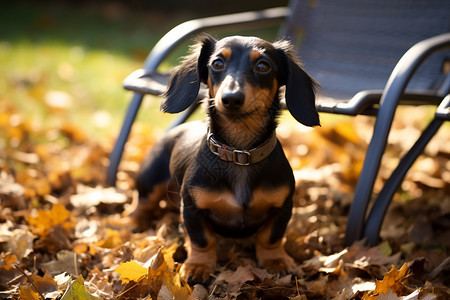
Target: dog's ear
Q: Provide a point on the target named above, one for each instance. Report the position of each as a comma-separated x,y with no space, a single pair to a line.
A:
184,82
300,87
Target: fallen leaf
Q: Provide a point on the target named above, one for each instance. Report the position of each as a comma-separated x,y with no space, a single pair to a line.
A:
131,271
28,294
41,221
77,291
17,241
393,281
46,285
111,239
66,261
90,197
240,276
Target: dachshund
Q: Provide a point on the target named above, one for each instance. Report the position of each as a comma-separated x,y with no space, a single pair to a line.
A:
230,171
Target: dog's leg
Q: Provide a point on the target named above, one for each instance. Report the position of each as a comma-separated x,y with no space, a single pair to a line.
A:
270,252
201,248
152,183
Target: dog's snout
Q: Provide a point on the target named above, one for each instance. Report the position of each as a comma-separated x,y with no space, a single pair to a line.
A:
233,100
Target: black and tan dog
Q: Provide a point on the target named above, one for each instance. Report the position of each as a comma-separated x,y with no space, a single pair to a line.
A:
230,171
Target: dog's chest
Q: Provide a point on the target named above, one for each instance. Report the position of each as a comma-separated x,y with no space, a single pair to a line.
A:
224,206
237,196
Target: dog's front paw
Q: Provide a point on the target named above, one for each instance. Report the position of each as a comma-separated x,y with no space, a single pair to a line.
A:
197,272
199,265
275,260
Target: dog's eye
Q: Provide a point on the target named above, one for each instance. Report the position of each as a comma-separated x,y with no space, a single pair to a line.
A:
262,67
218,64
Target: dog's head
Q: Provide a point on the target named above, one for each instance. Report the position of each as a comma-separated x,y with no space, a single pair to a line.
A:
244,75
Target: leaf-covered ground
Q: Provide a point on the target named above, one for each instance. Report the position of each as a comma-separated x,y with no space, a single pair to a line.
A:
65,235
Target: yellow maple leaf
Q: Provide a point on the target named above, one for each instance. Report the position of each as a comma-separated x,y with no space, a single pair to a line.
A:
44,220
131,271
178,288
111,239
161,269
168,255
392,280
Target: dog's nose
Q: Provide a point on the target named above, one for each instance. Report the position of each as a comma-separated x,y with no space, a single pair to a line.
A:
233,101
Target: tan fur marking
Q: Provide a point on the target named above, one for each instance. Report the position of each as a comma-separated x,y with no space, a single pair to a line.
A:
273,257
222,203
201,262
211,88
226,53
266,199
241,132
263,198
255,54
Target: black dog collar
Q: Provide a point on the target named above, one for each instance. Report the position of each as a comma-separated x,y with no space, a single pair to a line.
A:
241,157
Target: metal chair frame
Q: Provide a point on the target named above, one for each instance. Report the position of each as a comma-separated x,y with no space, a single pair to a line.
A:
379,103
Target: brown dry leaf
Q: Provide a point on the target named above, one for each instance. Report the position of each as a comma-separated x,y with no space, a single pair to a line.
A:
27,293
99,285
61,165
7,261
393,281
363,256
46,285
18,241
239,277
66,261
9,274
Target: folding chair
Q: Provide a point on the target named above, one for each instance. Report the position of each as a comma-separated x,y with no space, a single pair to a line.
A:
379,54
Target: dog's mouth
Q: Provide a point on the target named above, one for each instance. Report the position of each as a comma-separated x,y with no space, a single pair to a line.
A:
239,115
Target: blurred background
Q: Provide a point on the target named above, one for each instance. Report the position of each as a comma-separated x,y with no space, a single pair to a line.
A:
64,61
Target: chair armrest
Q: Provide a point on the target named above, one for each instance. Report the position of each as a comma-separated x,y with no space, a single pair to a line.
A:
368,102
185,30
141,82
443,110
361,103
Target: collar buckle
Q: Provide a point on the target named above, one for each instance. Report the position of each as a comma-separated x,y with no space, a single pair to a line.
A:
241,153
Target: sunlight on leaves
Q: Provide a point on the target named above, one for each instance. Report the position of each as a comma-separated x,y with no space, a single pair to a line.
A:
43,220
393,281
131,271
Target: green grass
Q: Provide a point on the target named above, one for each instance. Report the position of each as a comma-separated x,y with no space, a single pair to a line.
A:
82,53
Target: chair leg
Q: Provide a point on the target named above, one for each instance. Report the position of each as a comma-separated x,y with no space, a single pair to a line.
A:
379,208
363,192
116,154
388,103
